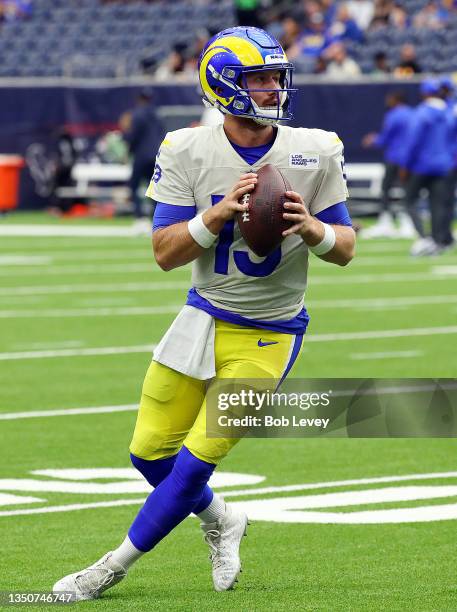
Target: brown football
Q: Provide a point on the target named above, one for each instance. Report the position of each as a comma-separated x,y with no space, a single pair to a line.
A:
262,224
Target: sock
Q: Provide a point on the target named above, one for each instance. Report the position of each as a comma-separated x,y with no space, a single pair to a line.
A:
171,501
214,511
126,554
156,470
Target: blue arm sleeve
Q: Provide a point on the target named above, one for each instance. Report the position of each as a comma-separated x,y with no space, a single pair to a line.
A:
337,214
169,214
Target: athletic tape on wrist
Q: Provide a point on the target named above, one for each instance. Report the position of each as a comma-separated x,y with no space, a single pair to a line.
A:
200,233
327,243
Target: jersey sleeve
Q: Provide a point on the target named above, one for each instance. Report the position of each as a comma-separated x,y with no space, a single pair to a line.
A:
170,182
332,188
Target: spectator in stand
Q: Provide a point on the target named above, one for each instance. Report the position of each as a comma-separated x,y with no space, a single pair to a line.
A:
408,64
381,65
344,27
431,17
313,38
290,33
392,139
399,18
174,65
447,93
382,10
11,10
428,160
339,64
143,132
361,11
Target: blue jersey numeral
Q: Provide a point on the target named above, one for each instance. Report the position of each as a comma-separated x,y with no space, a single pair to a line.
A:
241,258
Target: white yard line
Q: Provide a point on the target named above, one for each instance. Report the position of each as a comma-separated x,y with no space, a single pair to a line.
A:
25,260
385,355
102,269
386,333
107,231
13,416
90,312
94,288
77,352
131,311
74,253
148,348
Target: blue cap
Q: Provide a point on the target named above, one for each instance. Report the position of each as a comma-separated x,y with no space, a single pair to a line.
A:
447,82
430,87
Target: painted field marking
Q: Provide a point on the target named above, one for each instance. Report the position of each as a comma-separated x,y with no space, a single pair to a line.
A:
106,231
392,390
94,288
386,355
290,509
77,352
148,348
13,416
90,312
123,255
101,269
24,260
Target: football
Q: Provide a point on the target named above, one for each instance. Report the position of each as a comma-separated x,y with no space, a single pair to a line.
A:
262,224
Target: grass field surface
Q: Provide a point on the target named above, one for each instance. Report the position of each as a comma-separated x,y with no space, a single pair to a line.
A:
338,524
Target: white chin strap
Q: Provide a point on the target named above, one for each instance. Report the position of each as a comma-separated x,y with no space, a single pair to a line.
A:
271,116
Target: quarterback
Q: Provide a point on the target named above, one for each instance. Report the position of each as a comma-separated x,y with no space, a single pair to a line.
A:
244,316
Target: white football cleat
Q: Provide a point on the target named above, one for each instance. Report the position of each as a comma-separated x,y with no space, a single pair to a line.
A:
142,227
425,247
89,583
383,228
406,227
223,538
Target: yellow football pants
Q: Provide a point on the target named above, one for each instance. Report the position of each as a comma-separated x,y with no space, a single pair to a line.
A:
173,408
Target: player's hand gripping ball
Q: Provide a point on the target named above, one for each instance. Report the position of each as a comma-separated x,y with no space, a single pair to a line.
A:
262,224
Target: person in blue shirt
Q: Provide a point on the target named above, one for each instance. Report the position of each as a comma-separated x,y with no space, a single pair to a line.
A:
143,134
392,139
447,92
428,162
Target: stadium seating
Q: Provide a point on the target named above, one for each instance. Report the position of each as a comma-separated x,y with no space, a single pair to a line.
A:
88,38
94,40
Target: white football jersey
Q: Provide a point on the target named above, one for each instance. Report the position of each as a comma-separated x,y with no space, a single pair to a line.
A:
198,166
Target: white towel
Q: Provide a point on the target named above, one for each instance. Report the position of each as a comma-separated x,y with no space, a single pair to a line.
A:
188,345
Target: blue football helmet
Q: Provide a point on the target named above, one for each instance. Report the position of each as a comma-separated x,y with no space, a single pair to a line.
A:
226,60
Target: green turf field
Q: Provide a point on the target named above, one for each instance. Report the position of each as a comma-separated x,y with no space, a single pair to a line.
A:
78,318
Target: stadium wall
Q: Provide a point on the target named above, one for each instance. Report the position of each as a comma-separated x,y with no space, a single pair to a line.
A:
31,115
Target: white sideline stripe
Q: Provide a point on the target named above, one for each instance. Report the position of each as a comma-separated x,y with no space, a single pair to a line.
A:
94,288
77,352
60,230
386,355
13,416
147,348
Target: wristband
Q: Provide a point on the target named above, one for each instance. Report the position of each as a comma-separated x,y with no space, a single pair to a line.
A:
327,243
200,233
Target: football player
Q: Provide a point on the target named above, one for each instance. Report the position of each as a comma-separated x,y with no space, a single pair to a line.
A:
244,316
